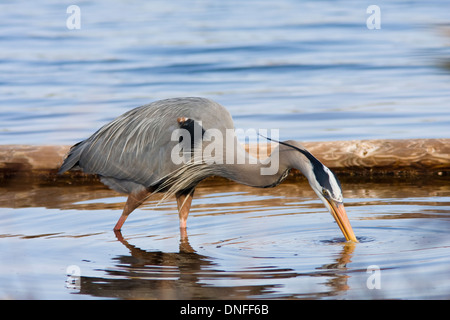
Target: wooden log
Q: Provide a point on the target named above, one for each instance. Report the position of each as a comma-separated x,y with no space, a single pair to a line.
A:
28,157
418,156
424,155
413,156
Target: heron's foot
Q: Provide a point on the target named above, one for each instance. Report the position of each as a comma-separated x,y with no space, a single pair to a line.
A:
120,223
118,235
183,233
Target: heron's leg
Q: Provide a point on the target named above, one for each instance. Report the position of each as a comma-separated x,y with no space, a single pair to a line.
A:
135,199
184,200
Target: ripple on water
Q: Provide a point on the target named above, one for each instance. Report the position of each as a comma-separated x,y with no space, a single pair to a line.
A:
247,243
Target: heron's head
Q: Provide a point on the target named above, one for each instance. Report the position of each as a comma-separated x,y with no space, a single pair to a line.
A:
327,187
325,184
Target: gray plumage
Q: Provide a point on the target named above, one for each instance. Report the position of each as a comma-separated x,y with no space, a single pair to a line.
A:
132,154
133,151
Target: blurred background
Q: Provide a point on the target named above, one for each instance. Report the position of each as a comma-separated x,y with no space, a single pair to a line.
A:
312,69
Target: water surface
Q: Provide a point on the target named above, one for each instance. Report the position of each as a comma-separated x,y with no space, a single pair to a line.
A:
311,69
241,243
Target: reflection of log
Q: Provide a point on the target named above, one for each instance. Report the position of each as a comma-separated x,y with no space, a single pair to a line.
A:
354,157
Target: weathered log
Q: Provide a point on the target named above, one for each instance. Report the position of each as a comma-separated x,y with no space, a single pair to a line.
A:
29,157
432,155
414,156
368,157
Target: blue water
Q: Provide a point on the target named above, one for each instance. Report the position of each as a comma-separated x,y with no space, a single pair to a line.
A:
243,243
311,69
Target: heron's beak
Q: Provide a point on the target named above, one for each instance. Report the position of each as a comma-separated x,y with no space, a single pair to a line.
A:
339,214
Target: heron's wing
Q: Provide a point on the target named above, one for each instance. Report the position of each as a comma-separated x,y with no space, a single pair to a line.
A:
136,147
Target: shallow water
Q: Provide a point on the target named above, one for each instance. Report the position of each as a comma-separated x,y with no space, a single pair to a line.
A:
241,243
311,69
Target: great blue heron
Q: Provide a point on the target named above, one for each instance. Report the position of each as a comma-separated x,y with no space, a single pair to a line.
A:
133,155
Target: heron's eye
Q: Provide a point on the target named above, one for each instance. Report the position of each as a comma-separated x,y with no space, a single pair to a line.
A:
325,192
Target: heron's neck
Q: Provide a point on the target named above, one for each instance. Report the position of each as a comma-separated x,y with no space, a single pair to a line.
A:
254,172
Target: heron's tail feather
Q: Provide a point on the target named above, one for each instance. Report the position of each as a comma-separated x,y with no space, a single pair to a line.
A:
72,158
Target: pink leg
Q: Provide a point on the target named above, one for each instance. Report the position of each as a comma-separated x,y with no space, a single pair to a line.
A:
134,200
184,201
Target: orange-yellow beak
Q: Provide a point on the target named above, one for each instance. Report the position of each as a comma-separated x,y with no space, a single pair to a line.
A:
339,214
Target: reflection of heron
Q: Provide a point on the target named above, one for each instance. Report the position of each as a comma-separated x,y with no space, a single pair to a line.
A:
183,275
132,154
186,275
